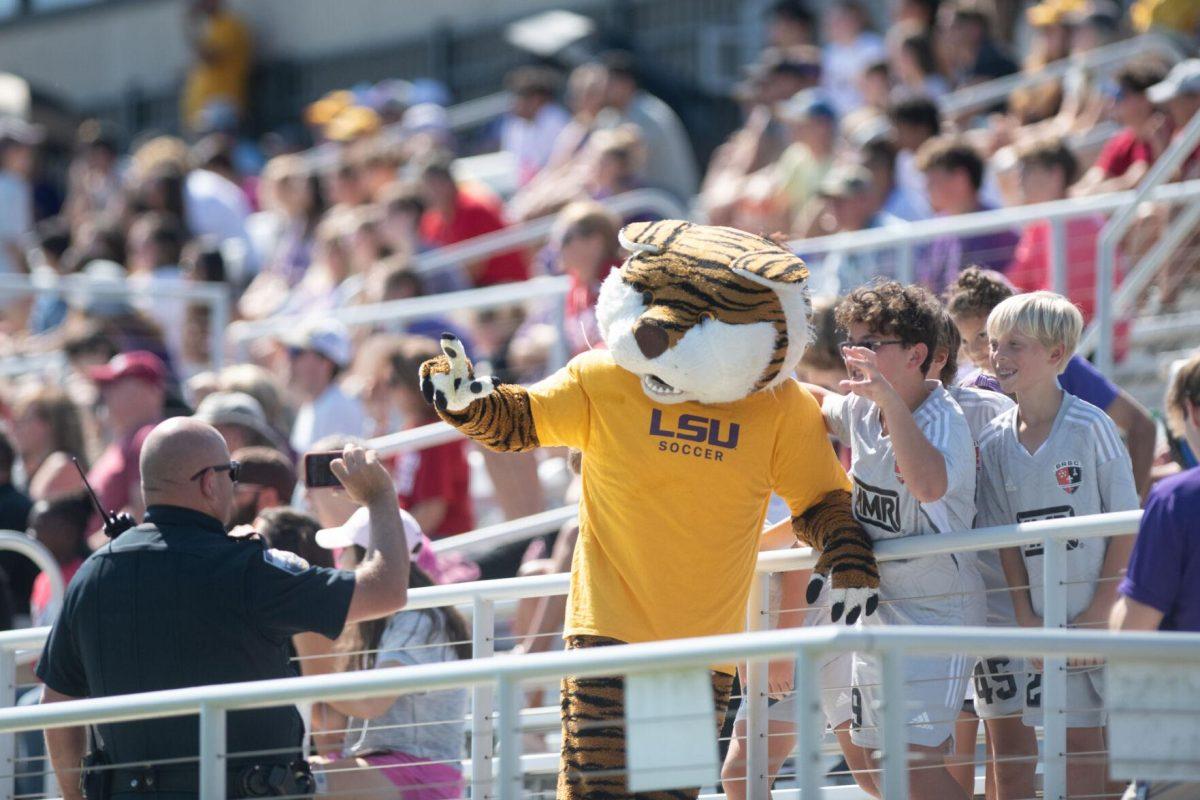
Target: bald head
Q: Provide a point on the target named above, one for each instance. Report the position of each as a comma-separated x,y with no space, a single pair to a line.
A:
174,452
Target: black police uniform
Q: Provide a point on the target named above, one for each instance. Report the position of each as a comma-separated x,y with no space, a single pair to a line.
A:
173,603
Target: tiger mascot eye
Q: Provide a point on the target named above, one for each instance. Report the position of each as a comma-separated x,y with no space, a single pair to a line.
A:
688,422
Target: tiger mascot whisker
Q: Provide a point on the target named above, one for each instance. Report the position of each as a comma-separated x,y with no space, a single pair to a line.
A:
688,422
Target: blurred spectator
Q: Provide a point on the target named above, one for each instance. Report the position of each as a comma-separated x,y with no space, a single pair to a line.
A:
257,382
849,47
1047,169
94,179
914,64
240,420
1144,134
919,13
1173,16
587,251
18,151
1161,589
292,207
1051,40
585,97
847,192
62,526
408,745
813,124
954,174
454,213
214,202
789,22
822,362
47,430
155,246
267,480
879,157
434,483
400,227
221,44
670,162
972,52
15,506
201,262
916,120
323,286
1179,95
316,355
132,392
399,281
534,121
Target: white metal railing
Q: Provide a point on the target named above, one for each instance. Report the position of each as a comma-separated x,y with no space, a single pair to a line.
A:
482,597
905,239
1103,325
1109,57
213,295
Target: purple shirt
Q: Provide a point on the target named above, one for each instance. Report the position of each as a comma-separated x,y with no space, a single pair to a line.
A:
1164,570
1086,382
949,255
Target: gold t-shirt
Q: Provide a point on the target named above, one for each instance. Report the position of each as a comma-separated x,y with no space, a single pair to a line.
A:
674,496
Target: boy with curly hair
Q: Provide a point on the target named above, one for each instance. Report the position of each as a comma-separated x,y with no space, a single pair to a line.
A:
913,470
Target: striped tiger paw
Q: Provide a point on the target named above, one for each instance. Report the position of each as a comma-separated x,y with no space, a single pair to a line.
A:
449,382
853,592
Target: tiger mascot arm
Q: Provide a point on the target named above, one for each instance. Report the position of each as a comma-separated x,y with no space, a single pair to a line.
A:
496,415
846,560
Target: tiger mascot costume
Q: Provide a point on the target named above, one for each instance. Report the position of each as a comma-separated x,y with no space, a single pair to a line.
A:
688,422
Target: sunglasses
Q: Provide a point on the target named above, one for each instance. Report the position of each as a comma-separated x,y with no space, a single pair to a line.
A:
871,344
233,468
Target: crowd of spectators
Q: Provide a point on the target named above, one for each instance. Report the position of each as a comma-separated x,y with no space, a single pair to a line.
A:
842,131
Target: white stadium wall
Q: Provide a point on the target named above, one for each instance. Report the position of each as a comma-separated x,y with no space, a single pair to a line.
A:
90,55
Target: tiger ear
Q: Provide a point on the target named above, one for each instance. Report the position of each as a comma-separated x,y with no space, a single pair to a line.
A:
777,269
650,237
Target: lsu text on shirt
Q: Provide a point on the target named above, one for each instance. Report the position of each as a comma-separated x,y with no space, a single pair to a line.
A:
1082,468
674,496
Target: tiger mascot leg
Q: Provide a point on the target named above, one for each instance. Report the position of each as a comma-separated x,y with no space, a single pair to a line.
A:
593,734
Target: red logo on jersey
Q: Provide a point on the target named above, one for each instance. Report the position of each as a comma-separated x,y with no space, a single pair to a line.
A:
1068,474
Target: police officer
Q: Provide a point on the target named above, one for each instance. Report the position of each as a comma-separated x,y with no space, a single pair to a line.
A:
174,602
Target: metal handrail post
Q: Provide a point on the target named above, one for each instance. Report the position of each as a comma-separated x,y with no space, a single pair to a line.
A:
212,752
809,723
1058,256
1118,224
754,693
510,779
1054,673
483,645
8,741
895,748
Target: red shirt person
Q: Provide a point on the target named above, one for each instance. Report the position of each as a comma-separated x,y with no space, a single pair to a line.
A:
132,392
455,214
1145,132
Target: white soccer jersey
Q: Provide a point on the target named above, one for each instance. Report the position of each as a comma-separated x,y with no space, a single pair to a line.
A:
1082,468
882,502
980,407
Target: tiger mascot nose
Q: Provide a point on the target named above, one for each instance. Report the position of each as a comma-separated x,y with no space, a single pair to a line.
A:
651,339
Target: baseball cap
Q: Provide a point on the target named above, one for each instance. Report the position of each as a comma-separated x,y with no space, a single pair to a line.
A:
237,408
806,104
328,338
845,181
140,364
1184,78
357,530
15,129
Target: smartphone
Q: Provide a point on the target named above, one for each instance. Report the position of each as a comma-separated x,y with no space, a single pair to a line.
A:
317,472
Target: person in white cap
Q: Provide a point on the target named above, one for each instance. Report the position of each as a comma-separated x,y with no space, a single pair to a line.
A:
407,745
316,356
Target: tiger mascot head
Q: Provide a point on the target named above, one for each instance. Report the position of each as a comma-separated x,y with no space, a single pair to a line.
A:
706,314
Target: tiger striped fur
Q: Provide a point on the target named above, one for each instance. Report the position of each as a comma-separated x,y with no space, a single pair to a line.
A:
593,734
502,421
846,551
690,273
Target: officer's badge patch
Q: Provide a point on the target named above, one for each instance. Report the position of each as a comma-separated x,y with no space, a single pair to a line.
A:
1068,474
288,562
